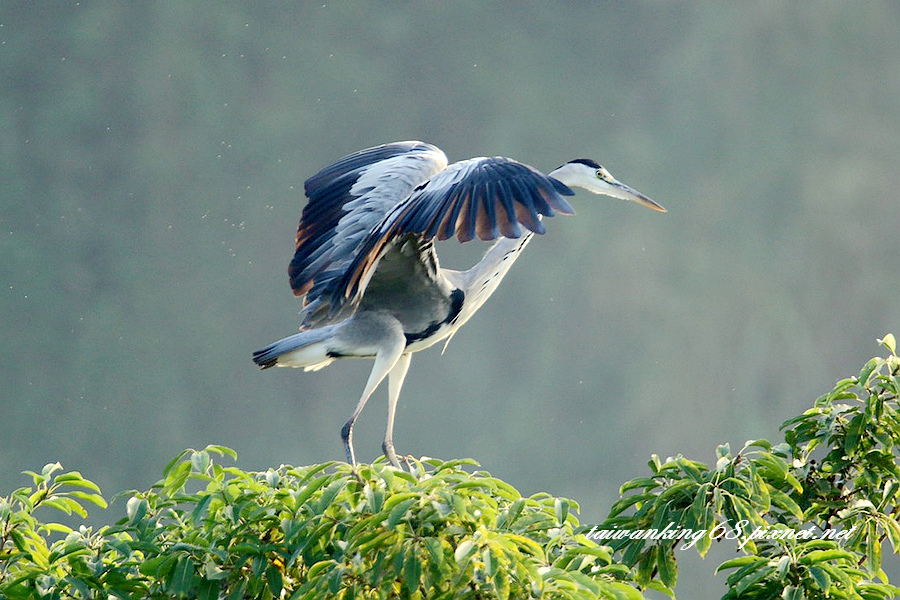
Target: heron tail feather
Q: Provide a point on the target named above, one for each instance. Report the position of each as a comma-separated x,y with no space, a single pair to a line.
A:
307,349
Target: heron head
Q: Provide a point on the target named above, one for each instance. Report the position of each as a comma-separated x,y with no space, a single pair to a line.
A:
588,175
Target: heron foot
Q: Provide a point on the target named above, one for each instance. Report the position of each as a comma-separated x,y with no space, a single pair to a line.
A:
388,448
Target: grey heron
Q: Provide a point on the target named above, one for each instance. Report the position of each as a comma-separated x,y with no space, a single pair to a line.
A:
365,263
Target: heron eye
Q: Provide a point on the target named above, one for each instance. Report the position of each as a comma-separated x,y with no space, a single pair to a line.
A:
601,174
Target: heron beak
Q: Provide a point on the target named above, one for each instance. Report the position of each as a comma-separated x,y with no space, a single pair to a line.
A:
617,189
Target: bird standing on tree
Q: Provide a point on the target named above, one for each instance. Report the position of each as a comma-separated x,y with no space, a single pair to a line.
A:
365,263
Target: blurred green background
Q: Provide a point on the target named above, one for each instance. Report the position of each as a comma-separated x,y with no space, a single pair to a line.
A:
152,159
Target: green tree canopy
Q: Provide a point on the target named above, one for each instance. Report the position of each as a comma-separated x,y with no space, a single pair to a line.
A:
809,517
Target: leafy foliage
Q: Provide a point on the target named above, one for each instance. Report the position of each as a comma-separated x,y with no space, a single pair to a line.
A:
810,516
811,513
314,532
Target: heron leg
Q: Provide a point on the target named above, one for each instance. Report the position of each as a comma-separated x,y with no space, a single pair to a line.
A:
395,382
385,359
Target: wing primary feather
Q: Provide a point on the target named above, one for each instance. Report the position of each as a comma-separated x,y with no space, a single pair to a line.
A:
486,220
555,198
538,204
527,212
509,226
557,202
436,216
447,226
561,188
465,225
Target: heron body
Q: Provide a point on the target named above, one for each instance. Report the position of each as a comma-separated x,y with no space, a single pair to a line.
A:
365,263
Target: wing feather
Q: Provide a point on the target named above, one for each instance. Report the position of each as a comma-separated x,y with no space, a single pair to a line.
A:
486,222
510,199
532,205
447,227
346,201
483,197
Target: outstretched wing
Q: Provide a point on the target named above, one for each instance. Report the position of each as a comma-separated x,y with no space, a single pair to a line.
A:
483,197
346,201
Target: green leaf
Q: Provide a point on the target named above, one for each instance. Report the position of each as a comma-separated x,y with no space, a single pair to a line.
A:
818,556
182,578
119,546
66,505
821,578
399,511
668,569
561,508
785,502
50,468
643,482
412,572
700,509
92,498
158,566
761,443
646,560
772,466
783,566
309,489
453,464
329,494
873,548
274,580
622,591
435,551
890,343
464,551
740,562
838,574
536,550
208,590
485,484
376,541
793,482
320,567
136,508
867,370
76,479
752,579
222,451
854,431
892,532
502,584
693,469
176,478
792,592
511,513
200,461
628,501
659,587
201,507
723,450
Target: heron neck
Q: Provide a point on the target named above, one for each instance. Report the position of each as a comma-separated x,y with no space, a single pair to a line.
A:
483,278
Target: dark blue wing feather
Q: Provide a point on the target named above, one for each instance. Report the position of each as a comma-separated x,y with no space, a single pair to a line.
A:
346,201
483,197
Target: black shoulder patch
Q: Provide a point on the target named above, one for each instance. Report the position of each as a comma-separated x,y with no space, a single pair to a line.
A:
456,302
